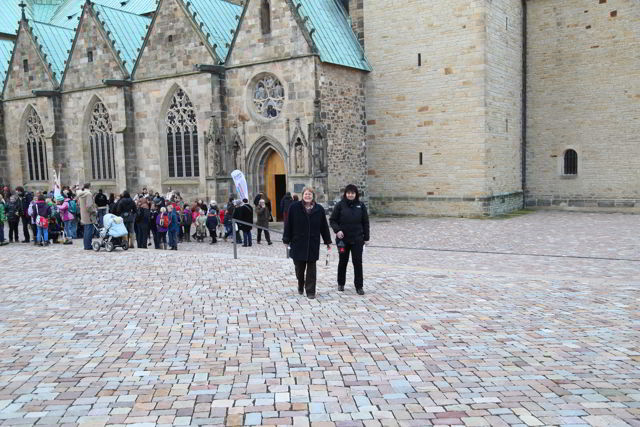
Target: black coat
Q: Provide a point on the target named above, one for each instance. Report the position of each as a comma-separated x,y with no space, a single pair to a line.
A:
302,232
351,217
126,208
285,203
244,213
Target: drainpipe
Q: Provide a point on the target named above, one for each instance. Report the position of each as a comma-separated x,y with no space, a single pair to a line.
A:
523,146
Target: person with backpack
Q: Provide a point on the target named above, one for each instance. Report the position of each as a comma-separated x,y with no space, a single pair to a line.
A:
212,222
67,219
3,219
187,220
163,221
142,222
126,208
174,227
40,213
13,218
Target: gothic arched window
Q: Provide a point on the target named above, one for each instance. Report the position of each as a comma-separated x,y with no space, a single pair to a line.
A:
103,163
182,137
570,162
268,96
36,148
265,17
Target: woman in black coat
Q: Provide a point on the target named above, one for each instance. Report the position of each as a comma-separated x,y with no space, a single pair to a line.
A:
350,222
306,223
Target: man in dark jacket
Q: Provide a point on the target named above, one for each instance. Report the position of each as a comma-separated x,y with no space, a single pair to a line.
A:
244,213
350,222
284,205
102,203
25,199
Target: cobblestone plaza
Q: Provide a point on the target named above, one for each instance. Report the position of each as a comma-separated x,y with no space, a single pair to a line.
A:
537,325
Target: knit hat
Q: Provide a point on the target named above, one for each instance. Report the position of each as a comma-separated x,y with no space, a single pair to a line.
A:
59,198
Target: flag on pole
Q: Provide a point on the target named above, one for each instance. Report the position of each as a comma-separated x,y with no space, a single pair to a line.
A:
241,184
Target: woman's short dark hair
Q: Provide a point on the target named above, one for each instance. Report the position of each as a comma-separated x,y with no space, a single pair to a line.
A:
351,189
125,193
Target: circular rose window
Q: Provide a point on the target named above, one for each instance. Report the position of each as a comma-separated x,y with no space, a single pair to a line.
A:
268,96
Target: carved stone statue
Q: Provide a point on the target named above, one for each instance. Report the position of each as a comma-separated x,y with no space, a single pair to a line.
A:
299,153
218,152
320,158
237,156
211,157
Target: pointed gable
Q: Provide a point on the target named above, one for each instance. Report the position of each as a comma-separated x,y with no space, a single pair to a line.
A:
37,75
285,39
92,58
173,45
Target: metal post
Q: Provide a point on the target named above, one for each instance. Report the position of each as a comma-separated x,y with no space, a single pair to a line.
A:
233,236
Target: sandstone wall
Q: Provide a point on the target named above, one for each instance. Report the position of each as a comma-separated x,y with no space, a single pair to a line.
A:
342,109
583,93
436,108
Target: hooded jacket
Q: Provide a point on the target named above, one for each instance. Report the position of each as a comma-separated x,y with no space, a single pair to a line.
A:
351,217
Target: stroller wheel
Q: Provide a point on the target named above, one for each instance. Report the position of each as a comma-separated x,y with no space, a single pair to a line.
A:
95,245
109,246
125,245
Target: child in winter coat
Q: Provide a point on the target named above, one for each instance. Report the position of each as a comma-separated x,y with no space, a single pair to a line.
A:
163,221
67,219
201,226
40,216
212,223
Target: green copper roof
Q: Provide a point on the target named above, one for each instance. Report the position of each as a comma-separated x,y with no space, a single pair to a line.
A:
69,11
127,30
6,46
9,17
332,33
217,18
55,43
43,12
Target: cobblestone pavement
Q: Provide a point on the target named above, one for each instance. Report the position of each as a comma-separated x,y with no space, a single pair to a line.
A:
440,338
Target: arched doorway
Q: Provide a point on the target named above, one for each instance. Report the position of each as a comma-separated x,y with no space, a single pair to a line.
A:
275,181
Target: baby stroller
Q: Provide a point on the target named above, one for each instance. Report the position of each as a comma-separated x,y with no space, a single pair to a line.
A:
201,228
112,234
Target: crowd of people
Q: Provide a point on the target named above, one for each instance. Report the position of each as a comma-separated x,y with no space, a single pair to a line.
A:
151,219
165,221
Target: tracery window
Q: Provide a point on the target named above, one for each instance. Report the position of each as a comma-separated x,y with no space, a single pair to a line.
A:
103,164
36,148
570,162
182,137
268,96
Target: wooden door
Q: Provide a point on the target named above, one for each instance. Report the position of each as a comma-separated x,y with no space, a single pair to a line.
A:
274,165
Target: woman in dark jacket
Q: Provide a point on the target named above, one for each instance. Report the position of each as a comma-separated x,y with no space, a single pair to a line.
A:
350,222
126,208
307,221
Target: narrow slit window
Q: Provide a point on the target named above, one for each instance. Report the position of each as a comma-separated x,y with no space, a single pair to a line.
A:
420,158
90,56
25,65
265,17
570,162
419,60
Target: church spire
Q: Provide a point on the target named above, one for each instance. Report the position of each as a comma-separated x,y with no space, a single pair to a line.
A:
22,6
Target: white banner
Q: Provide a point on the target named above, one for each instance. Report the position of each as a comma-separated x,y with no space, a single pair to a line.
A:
241,184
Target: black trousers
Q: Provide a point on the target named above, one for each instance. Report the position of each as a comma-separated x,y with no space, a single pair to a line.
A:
26,223
156,238
186,235
13,230
356,258
307,282
267,236
142,236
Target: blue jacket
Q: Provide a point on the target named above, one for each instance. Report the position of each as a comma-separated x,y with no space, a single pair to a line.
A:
175,221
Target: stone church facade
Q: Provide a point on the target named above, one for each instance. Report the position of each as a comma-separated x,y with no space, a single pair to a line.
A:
464,107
